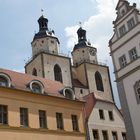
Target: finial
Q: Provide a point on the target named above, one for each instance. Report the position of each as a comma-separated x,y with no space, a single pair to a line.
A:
80,24
42,11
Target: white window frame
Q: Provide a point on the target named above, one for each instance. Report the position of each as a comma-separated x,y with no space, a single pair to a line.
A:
133,54
122,61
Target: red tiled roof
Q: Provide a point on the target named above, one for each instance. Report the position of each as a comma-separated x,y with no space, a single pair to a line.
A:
21,80
91,100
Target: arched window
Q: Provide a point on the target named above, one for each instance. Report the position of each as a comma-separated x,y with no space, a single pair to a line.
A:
5,80
57,73
69,93
36,86
34,72
99,82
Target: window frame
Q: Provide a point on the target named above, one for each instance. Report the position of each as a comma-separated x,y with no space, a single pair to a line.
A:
97,134
111,116
99,81
137,91
101,114
37,83
42,119
71,95
122,61
131,23
116,135
3,114
105,132
133,54
124,136
7,79
59,121
24,120
75,124
58,73
122,30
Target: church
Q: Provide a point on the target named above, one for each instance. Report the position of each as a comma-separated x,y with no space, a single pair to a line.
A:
59,97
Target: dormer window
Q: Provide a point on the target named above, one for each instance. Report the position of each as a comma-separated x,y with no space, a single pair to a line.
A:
37,87
5,80
69,93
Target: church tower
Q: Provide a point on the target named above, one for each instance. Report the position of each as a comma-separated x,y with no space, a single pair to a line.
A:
87,71
83,51
46,60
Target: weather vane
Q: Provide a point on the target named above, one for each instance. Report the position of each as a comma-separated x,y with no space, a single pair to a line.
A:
80,23
42,11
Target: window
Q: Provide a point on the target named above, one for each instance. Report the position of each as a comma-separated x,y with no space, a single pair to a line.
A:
5,80
3,114
58,73
68,93
101,114
99,82
34,72
131,23
42,119
137,91
95,134
122,61
124,136
114,136
36,88
74,122
133,54
59,121
24,117
81,91
122,30
111,117
105,135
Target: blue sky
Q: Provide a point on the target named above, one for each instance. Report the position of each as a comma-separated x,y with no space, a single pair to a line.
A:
19,23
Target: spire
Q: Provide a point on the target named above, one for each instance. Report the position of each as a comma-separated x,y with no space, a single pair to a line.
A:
43,23
81,35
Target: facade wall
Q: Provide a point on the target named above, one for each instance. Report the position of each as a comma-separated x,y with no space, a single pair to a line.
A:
37,64
15,99
64,63
132,101
91,69
81,74
83,54
80,94
48,44
95,123
44,64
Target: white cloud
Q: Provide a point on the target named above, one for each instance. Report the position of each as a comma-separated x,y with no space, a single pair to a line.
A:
99,26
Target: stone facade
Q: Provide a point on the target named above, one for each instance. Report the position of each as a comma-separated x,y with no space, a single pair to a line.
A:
125,52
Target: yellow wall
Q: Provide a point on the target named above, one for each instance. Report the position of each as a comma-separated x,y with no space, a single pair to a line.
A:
15,99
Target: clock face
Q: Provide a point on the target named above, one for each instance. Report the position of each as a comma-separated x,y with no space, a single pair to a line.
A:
92,51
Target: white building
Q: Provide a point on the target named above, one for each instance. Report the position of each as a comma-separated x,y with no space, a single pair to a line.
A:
85,76
125,52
